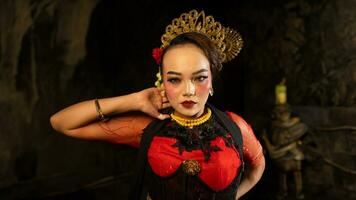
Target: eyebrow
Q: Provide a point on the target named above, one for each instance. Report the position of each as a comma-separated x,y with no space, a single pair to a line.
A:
195,73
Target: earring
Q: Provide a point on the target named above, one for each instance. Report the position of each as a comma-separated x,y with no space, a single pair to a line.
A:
211,92
158,82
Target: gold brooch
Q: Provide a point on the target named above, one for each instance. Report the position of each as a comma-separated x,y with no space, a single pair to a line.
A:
191,167
228,41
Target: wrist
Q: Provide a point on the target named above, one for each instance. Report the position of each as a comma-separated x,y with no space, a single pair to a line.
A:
135,100
121,104
100,113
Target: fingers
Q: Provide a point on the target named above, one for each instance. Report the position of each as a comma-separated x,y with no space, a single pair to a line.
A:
163,93
160,116
164,97
163,116
165,105
164,100
157,100
154,113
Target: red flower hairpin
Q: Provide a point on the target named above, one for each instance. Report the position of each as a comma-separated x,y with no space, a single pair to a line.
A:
157,54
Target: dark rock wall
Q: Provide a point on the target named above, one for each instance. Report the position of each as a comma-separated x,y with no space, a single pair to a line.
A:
312,45
55,53
330,151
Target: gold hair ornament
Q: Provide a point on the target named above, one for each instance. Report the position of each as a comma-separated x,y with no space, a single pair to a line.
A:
228,41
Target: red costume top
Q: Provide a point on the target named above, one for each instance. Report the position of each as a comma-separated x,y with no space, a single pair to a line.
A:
218,173
220,170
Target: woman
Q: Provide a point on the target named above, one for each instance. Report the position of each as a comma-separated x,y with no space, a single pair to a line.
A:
189,149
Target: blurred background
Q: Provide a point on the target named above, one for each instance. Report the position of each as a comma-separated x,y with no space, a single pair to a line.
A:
54,53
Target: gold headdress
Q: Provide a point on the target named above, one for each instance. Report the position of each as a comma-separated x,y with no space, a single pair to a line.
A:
228,41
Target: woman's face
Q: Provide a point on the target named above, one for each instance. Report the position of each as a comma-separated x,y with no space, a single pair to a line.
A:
187,79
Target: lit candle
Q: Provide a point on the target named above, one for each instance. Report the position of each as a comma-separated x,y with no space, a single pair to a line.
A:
281,93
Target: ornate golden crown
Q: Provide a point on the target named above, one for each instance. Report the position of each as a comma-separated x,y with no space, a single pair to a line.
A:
228,41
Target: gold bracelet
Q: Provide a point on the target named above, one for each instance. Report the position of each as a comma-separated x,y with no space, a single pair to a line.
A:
102,117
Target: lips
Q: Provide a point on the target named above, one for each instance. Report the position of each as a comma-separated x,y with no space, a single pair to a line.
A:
188,104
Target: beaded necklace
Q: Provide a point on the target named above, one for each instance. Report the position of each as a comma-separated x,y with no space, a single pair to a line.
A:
192,122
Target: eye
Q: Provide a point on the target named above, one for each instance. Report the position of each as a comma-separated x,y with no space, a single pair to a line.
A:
174,80
200,78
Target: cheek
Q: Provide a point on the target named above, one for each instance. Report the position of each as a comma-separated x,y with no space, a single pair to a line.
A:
204,87
171,92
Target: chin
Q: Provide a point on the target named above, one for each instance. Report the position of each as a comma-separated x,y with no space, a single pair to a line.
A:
185,112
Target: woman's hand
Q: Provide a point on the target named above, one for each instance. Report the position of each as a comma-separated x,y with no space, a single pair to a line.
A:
152,100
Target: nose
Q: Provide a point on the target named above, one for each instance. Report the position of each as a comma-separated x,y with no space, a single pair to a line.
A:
189,89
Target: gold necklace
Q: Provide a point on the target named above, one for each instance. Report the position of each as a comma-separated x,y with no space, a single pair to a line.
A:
192,122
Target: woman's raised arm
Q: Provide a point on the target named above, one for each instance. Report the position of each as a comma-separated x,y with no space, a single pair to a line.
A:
80,120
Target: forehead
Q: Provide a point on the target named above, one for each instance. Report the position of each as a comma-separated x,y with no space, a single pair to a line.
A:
185,58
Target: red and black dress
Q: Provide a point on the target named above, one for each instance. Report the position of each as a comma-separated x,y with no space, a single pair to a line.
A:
190,164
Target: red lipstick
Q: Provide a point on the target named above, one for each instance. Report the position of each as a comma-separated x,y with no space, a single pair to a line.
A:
188,104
